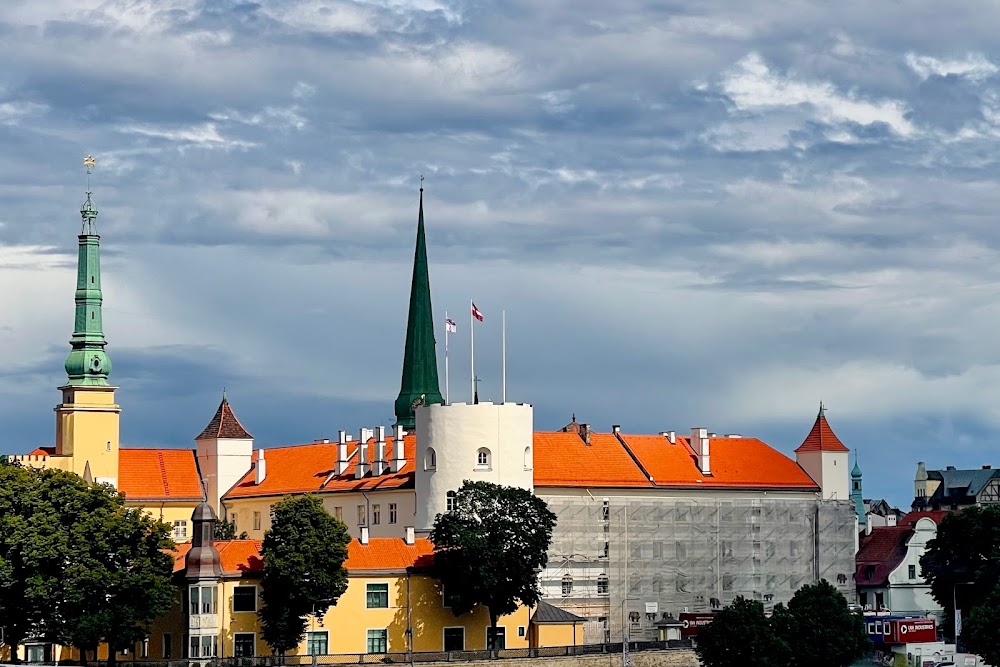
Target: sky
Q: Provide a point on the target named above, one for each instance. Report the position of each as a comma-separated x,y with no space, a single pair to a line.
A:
710,213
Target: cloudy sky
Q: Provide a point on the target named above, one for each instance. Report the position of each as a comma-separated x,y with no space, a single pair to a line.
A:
695,214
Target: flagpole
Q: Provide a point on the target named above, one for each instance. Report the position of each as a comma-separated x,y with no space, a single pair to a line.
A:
472,353
447,326
503,355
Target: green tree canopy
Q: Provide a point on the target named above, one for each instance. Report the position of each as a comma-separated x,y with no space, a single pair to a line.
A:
981,628
740,636
963,561
819,628
226,530
489,549
304,554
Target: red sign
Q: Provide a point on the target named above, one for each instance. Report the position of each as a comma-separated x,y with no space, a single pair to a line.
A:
917,630
691,622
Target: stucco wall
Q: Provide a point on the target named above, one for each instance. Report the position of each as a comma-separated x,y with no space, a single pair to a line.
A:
670,658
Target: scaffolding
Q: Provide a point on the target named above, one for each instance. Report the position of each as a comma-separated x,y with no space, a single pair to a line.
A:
625,562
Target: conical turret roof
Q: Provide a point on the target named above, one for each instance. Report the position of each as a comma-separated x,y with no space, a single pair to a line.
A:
224,424
821,438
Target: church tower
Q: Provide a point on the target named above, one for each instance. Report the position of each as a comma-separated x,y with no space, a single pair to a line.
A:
857,494
87,417
419,385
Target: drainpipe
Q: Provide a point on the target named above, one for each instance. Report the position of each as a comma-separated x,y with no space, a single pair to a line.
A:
368,513
409,625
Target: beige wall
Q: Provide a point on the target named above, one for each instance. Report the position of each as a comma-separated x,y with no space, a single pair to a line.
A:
243,510
557,634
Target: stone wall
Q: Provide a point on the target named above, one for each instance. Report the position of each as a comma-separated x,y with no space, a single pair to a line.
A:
671,658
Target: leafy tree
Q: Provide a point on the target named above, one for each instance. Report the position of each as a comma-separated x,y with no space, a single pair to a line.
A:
966,549
819,628
304,554
489,549
981,628
226,530
740,636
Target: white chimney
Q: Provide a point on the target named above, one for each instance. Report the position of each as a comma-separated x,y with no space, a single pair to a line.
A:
699,443
672,437
361,469
410,535
364,535
379,465
261,468
616,428
342,461
398,448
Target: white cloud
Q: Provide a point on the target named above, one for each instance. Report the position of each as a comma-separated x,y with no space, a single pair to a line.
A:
975,66
205,135
752,86
284,118
12,113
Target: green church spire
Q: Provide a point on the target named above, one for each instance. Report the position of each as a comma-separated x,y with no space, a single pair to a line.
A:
420,372
88,364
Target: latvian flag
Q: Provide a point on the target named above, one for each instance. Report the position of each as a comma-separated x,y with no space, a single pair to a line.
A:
476,314
450,326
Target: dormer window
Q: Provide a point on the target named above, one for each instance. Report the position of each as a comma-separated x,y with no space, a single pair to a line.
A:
483,459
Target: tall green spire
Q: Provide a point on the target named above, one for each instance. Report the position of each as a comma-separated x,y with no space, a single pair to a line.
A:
88,364
420,372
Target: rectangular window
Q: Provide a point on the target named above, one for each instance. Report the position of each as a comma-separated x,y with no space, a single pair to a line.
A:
209,599
454,639
194,646
256,520
521,631
168,645
376,514
180,529
912,571
377,596
194,595
607,549
316,643
245,598
497,642
727,582
338,513
244,645
377,641
793,549
680,549
863,599
605,510
204,646
361,515
392,512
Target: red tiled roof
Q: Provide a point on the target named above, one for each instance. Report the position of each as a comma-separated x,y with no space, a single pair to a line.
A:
822,438
158,474
934,515
42,451
564,459
304,468
381,553
883,549
224,424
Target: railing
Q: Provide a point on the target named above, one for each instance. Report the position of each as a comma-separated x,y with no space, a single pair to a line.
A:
399,658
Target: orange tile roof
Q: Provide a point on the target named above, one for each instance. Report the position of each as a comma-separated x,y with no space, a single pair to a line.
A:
822,438
42,451
734,462
381,553
304,468
159,474
224,424
564,460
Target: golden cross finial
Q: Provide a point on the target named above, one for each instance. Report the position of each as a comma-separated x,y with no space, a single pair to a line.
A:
89,163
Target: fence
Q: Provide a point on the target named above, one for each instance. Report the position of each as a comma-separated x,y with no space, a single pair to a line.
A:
400,658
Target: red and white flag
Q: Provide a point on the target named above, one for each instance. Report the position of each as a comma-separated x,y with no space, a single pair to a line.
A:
476,313
450,326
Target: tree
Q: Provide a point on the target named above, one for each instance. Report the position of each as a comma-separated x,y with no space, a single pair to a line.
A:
489,549
819,628
226,530
981,628
304,554
118,578
740,636
966,549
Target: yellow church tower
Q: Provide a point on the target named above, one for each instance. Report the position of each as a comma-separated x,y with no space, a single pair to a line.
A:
87,417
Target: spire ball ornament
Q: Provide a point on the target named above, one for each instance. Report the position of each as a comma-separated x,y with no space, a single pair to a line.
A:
89,162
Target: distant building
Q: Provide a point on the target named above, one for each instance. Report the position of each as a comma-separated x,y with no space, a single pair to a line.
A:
954,489
879,513
888,574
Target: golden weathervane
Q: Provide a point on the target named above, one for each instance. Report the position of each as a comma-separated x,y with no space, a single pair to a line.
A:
89,162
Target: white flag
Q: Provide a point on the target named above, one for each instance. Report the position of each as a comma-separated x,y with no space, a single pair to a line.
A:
450,326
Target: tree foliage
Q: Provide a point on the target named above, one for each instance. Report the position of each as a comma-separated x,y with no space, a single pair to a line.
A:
962,562
304,554
816,629
981,628
226,530
489,549
76,565
819,628
740,636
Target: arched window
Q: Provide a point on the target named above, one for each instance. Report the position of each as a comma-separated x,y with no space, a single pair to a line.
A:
527,458
567,585
430,459
450,501
483,459
602,584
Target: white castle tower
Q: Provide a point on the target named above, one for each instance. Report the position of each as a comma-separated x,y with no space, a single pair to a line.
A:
470,441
